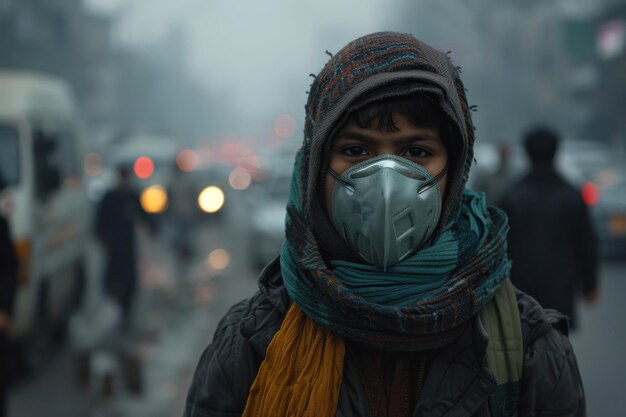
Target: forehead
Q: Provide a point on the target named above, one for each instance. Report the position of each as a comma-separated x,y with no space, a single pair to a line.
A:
397,127
421,109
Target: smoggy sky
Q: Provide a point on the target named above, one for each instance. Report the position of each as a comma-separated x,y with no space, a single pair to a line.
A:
257,54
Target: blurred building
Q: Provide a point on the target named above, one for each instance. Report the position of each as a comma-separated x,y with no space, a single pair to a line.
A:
60,37
609,98
562,62
120,89
156,93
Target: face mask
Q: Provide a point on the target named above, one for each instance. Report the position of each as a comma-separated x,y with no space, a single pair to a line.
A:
386,208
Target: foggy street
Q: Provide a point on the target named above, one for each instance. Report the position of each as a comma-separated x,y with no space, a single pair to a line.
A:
176,332
411,162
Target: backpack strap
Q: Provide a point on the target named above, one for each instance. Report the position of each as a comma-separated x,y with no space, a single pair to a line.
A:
505,349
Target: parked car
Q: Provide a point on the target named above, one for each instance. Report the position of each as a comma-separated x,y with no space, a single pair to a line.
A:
41,156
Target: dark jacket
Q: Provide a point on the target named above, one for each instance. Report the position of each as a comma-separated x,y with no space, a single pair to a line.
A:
458,383
116,217
8,268
551,243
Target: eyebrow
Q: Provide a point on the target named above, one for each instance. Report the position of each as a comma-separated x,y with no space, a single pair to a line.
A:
364,137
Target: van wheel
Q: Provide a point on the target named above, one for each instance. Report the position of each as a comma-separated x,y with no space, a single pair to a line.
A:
38,345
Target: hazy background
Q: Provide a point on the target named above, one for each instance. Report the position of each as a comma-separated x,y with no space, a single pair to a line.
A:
202,68
224,84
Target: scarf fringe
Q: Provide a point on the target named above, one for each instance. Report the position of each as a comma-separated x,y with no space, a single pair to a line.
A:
301,373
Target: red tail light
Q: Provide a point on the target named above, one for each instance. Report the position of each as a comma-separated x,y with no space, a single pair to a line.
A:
591,193
144,167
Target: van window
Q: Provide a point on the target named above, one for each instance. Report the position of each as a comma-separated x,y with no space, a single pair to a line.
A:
55,158
9,155
54,148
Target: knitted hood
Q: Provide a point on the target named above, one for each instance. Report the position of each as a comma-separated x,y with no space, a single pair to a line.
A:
424,300
376,66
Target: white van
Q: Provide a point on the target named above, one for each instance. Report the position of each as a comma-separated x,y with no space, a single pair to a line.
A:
41,161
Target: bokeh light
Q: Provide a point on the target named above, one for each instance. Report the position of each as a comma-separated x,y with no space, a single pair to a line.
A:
285,126
154,199
239,178
211,199
219,259
93,164
187,160
144,167
591,194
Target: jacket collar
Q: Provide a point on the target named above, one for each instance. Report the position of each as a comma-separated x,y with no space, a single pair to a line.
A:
261,326
271,286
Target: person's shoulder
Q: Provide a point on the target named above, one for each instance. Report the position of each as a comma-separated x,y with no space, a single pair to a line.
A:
551,379
263,312
246,319
251,323
220,380
547,327
230,362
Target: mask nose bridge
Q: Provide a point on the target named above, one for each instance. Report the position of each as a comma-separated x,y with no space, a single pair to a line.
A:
387,185
391,217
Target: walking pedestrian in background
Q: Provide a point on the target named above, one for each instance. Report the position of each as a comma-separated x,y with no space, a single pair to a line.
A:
116,218
181,213
495,184
552,242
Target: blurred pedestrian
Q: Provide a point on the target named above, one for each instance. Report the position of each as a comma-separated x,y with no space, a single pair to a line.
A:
8,285
181,213
495,184
391,295
551,243
116,217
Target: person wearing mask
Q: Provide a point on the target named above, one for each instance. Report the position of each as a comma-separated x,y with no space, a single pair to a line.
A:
552,242
391,294
8,284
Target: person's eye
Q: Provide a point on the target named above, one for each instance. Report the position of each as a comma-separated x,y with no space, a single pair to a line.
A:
417,152
354,151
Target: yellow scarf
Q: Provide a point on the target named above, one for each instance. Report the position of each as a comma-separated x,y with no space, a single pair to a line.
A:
303,367
301,373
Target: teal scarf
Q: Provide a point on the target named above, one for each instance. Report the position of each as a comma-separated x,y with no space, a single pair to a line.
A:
422,302
416,278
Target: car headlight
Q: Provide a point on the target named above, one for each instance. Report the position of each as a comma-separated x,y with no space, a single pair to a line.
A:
154,199
211,199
